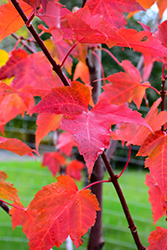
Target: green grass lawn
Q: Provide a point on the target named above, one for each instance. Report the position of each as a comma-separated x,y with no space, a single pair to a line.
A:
29,177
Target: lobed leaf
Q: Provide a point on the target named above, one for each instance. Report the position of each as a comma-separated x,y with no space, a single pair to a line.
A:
58,210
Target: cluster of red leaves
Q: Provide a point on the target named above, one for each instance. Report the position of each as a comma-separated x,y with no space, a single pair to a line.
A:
45,220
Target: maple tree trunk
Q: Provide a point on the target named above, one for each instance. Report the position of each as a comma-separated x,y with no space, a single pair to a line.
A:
95,238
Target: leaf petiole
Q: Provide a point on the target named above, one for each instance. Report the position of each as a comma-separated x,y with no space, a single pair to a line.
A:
96,182
151,87
21,208
126,163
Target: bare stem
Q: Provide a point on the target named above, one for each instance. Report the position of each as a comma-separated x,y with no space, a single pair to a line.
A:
114,179
30,27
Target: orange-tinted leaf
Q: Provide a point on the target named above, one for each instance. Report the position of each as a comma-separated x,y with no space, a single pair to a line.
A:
82,71
158,204
65,143
45,124
126,86
155,147
11,21
162,5
14,104
74,168
158,239
65,100
62,210
16,146
25,68
7,191
53,161
136,134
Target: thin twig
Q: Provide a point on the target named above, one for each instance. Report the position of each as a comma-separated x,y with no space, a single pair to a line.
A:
113,57
114,179
163,92
21,41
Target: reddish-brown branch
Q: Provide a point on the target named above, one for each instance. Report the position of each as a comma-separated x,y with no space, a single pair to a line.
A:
56,67
163,93
114,180
4,207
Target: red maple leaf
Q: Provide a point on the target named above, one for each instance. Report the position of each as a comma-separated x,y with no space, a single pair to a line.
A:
58,210
111,10
155,147
158,204
158,239
125,87
136,134
53,161
91,129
